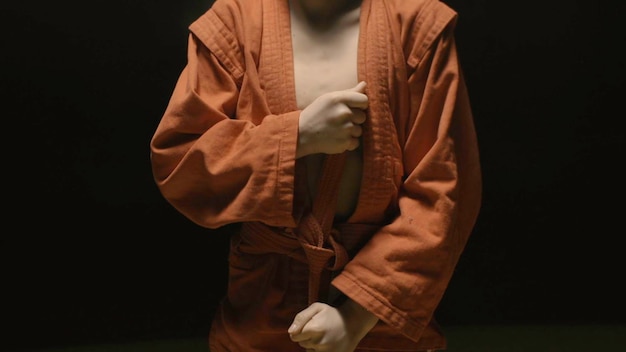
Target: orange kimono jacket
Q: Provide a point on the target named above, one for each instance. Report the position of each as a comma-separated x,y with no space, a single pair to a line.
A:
224,153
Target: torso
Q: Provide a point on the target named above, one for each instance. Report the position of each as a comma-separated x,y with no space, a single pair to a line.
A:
324,62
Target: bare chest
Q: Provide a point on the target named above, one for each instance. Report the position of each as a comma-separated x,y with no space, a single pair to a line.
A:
326,62
323,62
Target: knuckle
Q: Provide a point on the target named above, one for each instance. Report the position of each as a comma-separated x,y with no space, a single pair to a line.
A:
334,97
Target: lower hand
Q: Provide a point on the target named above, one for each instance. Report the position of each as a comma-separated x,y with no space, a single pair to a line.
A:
324,328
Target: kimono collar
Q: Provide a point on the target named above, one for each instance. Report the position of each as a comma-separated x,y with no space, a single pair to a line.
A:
378,64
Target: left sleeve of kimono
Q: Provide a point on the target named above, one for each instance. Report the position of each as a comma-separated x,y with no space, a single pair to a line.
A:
401,274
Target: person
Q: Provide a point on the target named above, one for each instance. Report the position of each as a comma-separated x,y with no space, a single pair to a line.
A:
335,140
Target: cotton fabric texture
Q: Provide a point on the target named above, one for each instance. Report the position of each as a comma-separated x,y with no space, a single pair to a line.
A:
224,153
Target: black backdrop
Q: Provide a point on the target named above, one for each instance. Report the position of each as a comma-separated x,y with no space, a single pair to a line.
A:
92,253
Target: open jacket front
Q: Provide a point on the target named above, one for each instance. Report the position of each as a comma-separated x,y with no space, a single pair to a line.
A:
224,153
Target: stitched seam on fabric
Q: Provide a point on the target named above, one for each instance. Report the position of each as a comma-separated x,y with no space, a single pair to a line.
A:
440,23
396,315
215,36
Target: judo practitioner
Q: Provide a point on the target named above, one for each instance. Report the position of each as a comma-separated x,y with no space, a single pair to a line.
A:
336,139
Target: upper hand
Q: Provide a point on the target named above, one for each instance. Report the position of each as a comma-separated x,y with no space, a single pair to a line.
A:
331,124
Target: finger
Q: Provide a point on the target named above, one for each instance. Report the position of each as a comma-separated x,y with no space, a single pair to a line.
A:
311,332
310,347
301,339
358,116
302,318
356,131
353,144
355,99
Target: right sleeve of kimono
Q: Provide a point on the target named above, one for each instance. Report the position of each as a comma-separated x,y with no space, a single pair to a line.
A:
214,166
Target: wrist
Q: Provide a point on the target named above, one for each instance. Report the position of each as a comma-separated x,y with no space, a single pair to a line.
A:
302,149
357,317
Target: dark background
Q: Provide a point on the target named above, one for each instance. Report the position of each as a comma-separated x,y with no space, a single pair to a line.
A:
91,252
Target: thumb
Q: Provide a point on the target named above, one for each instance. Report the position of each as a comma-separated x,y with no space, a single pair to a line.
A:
360,87
303,318
355,97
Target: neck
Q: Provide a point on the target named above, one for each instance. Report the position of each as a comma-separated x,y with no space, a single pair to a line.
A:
323,13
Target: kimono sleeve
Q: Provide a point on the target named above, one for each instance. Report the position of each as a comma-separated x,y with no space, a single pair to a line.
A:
210,161
401,274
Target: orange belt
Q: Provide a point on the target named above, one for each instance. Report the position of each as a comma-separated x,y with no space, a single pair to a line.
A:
314,241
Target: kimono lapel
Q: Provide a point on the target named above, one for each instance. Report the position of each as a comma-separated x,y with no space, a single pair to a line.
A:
277,70
377,66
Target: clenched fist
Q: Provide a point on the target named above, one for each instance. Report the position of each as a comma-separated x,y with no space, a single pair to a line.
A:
324,328
331,124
